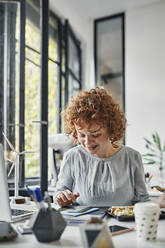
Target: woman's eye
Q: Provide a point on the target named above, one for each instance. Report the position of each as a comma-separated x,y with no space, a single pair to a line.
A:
82,135
95,135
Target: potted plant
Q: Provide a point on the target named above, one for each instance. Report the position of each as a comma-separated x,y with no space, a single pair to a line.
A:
156,154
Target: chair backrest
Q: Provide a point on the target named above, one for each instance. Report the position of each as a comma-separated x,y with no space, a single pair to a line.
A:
58,144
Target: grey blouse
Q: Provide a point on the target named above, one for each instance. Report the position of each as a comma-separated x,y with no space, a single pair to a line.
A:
120,183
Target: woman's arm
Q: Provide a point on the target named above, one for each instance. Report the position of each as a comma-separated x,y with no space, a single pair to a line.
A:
140,189
63,191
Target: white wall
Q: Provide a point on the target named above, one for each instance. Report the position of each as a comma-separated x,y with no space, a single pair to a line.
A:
83,28
145,73
145,66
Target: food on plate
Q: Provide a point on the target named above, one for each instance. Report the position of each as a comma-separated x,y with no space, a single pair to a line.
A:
158,188
122,210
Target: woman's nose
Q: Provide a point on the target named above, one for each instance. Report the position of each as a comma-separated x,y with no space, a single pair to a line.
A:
88,139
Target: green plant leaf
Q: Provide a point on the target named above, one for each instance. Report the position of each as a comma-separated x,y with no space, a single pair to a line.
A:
156,139
151,149
149,155
164,148
150,162
156,151
149,142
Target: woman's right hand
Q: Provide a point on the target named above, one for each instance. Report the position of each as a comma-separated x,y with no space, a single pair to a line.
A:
66,197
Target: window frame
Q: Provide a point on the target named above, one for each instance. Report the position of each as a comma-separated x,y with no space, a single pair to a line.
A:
96,22
44,23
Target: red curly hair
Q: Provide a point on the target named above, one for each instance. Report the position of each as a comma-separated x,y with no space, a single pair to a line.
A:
95,106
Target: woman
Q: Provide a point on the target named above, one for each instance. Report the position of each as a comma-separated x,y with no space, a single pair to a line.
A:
99,171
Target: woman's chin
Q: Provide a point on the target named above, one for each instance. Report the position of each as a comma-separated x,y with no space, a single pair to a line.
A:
92,150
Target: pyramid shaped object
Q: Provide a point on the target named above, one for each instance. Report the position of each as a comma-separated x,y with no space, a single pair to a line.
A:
48,225
96,235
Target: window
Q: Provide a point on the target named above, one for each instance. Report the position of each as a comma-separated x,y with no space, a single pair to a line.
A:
10,47
109,56
40,70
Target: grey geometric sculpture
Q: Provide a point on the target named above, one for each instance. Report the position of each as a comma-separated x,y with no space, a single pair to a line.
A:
48,225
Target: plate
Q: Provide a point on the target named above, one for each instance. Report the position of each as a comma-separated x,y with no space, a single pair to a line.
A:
132,218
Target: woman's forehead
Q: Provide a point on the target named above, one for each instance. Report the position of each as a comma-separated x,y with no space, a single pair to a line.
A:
90,127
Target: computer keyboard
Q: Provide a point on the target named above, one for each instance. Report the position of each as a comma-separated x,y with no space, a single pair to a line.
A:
17,212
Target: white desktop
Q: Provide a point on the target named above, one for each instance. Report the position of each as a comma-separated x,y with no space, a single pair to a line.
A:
71,235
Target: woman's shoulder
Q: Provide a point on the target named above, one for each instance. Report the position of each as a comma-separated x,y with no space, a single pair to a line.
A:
73,151
131,151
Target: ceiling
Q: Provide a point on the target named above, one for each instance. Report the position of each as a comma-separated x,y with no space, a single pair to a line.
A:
98,8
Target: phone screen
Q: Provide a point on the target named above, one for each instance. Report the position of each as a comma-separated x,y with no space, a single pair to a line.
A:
119,229
116,228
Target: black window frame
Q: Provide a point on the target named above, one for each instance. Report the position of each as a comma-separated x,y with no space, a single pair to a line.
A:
44,22
96,21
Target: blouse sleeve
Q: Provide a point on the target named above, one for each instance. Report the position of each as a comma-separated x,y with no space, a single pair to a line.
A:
140,191
65,179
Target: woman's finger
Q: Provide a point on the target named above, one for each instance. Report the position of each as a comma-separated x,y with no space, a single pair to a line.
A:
59,201
68,194
75,196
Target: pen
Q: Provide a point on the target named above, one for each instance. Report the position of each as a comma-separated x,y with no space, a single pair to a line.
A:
38,197
30,193
104,215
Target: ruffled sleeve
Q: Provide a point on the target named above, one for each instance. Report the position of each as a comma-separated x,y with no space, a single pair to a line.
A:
140,191
65,179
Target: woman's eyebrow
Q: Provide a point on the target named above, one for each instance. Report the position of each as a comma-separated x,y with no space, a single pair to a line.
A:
96,130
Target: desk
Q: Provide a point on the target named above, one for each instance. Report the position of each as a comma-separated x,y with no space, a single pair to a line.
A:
71,238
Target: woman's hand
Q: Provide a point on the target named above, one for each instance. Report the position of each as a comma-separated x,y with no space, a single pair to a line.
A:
66,197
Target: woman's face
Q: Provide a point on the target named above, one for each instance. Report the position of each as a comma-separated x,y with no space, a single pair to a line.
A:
94,139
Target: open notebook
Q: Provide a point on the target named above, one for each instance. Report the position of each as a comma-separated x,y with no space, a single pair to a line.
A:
6,213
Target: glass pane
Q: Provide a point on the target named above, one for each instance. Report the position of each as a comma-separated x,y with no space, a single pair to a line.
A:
63,59
33,23
53,38
110,56
9,78
63,100
73,87
52,98
32,89
74,64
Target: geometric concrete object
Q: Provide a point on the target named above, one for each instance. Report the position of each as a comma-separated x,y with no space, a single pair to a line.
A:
96,234
48,225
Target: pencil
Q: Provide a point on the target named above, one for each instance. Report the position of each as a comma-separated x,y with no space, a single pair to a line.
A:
104,215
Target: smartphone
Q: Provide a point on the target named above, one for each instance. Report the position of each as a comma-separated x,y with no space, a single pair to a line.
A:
7,232
115,230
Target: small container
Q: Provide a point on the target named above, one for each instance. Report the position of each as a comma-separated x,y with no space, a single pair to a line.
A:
48,225
146,218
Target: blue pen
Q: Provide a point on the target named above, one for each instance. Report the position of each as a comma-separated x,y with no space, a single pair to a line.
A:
104,215
38,196
30,193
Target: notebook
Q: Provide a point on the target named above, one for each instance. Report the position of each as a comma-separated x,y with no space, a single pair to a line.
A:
6,212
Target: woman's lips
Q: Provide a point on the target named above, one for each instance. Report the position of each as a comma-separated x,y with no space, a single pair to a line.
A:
91,148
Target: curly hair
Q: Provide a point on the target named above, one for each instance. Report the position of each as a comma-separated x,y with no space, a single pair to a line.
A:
95,106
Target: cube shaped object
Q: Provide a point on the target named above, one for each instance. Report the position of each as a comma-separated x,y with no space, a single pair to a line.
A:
48,225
